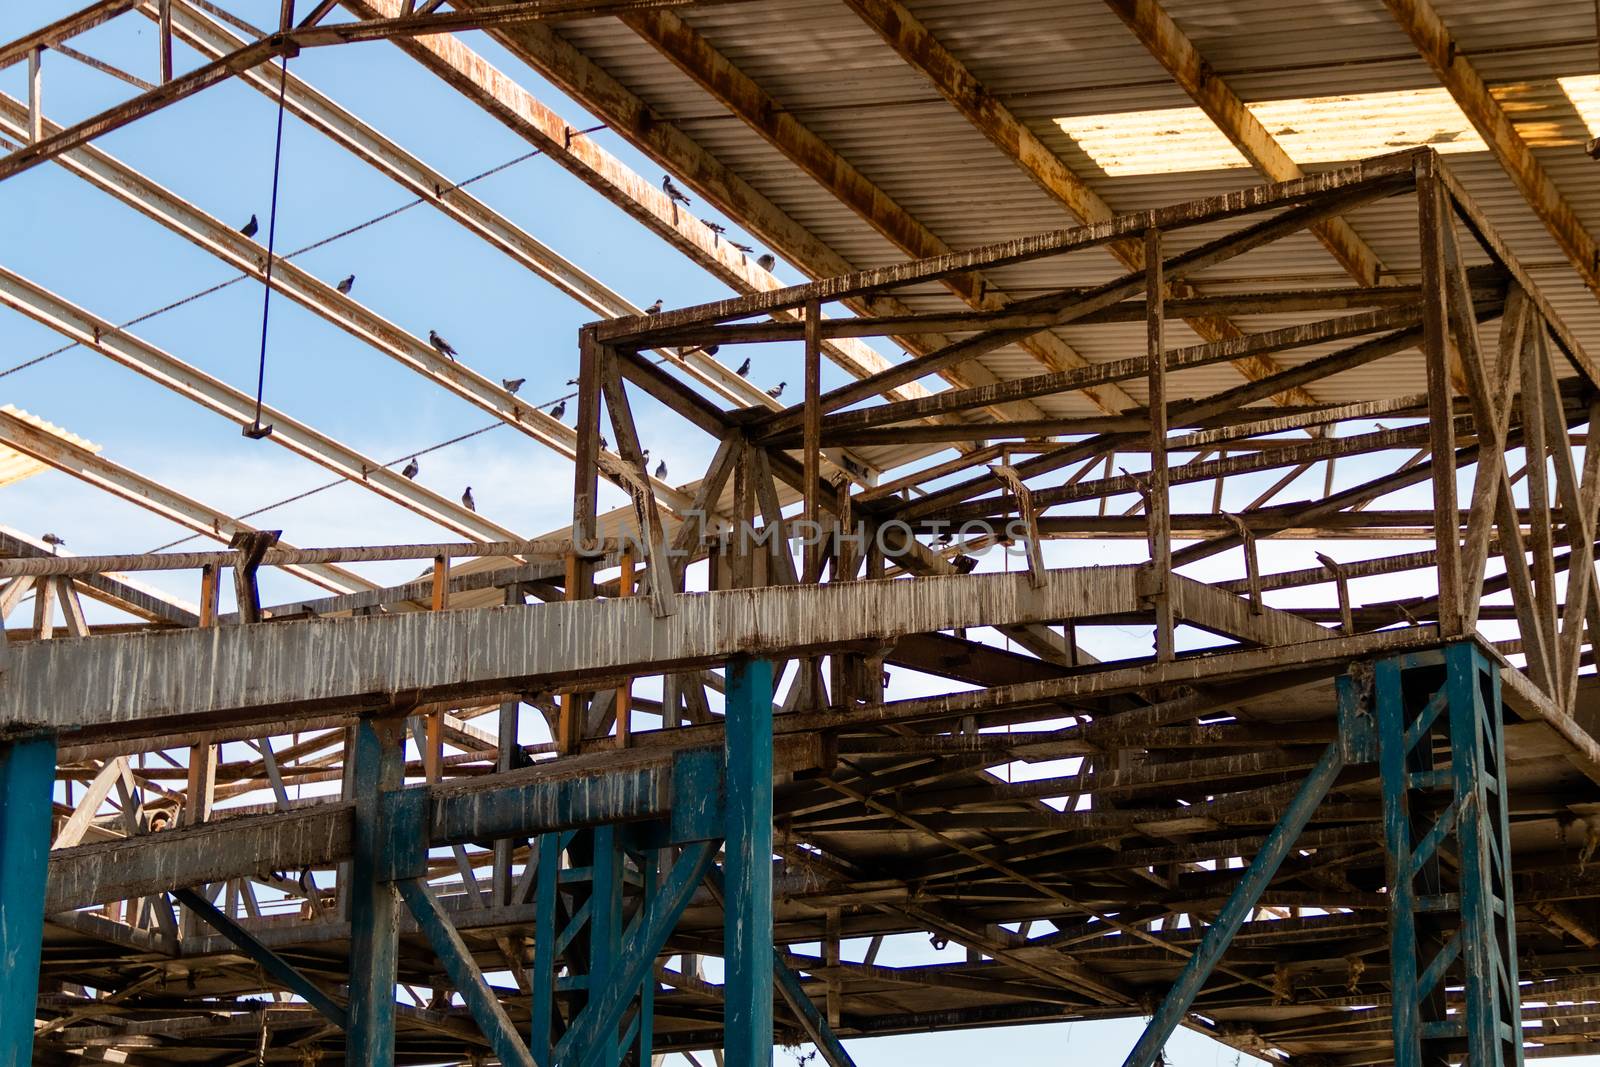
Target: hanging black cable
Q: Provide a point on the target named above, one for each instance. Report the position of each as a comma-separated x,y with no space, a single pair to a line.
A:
255,431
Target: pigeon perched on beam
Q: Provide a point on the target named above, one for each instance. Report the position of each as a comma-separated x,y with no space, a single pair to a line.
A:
744,368
53,541
347,284
654,309
777,390
511,385
746,249
467,501
411,469
674,194
766,261
440,345
661,469
559,410
249,229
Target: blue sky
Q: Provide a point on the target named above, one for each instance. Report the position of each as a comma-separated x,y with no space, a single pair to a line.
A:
418,269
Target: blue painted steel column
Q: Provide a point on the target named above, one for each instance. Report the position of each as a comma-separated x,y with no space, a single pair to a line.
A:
27,784
541,1034
605,933
1488,926
747,905
379,767
1405,1014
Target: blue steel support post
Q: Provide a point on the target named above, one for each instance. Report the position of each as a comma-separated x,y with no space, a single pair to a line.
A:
747,903
378,768
541,1035
1489,931
1428,703
644,1042
27,785
605,933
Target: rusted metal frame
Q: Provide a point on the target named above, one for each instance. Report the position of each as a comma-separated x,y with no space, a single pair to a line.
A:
1359,410
1293,377
1284,516
113,478
1008,477
1031,431
35,96
250,546
812,445
1541,539
1157,500
1075,303
1307,452
319,297
123,347
1392,174
1421,22
164,38
1489,286
146,103
1252,564
1578,498
102,66
741,95
1341,584
63,29
539,550
1490,400
688,540
1477,223
1121,370
584,81
912,41
1048,891
204,33
1173,49
586,477
652,534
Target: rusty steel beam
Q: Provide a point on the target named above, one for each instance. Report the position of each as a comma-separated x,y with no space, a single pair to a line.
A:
912,41
116,590
204,33
237,406
1434,42
1172,48
740,94
64,28
512,104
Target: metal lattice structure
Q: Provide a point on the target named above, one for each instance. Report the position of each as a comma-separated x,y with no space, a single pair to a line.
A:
1331,814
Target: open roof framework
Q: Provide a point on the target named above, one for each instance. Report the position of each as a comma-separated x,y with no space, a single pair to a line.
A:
1342,328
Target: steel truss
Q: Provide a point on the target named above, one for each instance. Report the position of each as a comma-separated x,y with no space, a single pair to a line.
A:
733,817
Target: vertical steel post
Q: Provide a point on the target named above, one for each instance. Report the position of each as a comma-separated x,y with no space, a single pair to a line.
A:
747,904
546,885
1430,703
27,783
374,943
605,932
